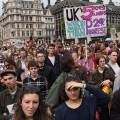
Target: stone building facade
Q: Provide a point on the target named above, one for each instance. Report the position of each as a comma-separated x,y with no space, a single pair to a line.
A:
22,20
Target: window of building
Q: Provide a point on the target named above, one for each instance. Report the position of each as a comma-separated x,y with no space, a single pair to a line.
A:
18,33
11,10
46,19
30,18
39,33
27,5
22,25
38,10
47,33
23,33
13,26
18,25
31,33
26,18
27,33
22,18
17,11
51,19
27,26
31,26
37,18
39,25
30,11
11,17
13,33
31,5
17,17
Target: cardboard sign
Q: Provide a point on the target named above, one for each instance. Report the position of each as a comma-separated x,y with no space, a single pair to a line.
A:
85,21
19,44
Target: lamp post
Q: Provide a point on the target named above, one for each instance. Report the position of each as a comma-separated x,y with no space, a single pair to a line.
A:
113,33
59,39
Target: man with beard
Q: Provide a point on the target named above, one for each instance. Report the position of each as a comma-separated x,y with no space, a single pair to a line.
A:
9,96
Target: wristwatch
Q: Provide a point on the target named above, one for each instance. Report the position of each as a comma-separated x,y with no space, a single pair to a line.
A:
84,86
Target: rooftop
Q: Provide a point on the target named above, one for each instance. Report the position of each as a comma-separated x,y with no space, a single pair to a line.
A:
75,3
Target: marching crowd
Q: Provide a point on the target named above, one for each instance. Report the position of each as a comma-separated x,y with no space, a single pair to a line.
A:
60,81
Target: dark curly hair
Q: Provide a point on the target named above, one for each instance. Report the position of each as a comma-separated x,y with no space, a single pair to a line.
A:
67,63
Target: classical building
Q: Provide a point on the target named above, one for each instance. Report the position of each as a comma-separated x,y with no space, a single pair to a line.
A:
22,20
113,13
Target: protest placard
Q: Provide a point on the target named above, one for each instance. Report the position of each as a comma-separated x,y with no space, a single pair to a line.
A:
85,21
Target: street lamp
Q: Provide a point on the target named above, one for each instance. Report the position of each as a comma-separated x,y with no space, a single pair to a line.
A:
59,39
113,33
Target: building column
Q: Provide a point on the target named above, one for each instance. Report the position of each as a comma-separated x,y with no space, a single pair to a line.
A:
63,40
52,37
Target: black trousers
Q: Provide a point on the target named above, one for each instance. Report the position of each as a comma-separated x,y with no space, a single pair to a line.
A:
104,113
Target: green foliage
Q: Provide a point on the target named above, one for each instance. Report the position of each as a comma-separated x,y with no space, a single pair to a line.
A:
108,28
62,23
118,28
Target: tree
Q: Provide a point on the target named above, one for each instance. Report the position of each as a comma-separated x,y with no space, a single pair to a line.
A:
108,29
62,23
118,28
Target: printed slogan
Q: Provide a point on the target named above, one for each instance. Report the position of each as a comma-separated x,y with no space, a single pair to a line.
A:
85,21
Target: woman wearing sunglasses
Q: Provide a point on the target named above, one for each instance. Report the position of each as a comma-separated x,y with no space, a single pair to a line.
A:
78,106
29,106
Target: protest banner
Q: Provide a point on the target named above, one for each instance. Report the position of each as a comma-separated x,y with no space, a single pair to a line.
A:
19,44
85,21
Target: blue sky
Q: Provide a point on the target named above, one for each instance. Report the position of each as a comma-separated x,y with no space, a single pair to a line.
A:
52,2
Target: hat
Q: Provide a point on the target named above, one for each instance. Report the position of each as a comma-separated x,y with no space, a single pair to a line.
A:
7,72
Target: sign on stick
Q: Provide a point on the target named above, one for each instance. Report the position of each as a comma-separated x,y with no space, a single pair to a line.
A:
85,21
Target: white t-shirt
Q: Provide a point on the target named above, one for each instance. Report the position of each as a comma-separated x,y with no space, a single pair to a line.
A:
23,64
52,59
116,69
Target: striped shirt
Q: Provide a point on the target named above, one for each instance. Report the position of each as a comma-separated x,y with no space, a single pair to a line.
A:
41,82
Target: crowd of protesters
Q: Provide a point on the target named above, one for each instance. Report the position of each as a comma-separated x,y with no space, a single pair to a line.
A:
60,81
